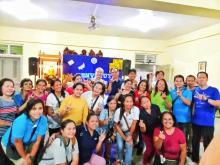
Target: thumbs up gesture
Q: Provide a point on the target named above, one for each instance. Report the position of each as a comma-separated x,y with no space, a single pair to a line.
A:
141,124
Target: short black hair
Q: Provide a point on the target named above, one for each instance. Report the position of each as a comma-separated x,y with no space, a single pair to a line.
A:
132,70
2,81
171,114
159,71
203,73
103,87
179,76
41,80
25,80
90,115
190,76
30,104
76,84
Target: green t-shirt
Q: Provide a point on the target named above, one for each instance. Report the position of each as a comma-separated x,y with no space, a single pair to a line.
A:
158,100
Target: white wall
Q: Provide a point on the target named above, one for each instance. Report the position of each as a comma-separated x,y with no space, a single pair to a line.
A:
51,42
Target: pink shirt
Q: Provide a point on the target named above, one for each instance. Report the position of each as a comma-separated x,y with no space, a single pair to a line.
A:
171,145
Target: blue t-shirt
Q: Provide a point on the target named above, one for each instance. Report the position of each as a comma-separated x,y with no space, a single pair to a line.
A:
181,111
23,127
204,113
19,101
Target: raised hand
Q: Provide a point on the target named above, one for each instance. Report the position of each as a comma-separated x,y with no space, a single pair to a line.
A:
161,135
102,136
163,95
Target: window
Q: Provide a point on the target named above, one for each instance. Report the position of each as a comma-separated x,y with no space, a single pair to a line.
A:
3,49
9,49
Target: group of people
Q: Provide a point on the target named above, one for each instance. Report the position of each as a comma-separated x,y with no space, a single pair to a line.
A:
80,123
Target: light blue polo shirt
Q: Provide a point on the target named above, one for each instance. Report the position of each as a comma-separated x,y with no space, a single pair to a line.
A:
181,111
23,127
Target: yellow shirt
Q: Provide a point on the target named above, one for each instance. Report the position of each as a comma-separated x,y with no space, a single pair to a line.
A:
79,109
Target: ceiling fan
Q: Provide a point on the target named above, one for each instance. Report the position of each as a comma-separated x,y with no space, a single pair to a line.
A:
93,25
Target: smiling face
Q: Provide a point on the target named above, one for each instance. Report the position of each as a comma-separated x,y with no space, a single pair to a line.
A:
161,86
93,122
179,82
78,90
145,103
97,89
143,86
41,86
167,121
8,88
57,86
69,131
128,103
36,111
202,79
112,104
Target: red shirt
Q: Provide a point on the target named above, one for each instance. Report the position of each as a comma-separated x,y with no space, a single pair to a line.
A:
171,145
137,96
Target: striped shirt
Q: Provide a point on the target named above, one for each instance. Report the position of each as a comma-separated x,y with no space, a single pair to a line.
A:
7,112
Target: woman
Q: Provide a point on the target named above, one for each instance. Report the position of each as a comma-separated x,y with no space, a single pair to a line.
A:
62,151
149,119
53,102
40,91
127,89
8,111
169,141
106,123
125,120
74,107
88,138
26,133
21,98
161,96
94,98
142,90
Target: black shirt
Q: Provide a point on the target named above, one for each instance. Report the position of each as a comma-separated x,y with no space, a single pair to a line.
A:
86,143
116,85
152,120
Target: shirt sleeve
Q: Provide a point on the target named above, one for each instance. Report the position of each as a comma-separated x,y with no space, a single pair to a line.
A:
19,127
156,132
182,139
42,126
102,115
76,148
216,94
116,116
50,100
59,152
188,95
136,113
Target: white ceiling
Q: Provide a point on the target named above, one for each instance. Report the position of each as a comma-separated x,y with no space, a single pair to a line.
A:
74,16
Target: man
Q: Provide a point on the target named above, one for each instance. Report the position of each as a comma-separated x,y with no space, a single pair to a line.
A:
182,98
115,83
206,99
132,73
98,76
190,82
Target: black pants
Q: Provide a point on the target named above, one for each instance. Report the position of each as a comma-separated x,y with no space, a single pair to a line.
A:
206,132
187,129
3,158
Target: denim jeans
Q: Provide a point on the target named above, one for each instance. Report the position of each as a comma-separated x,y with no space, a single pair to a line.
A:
128,149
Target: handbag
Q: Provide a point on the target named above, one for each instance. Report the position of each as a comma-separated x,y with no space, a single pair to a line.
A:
96,160
11,151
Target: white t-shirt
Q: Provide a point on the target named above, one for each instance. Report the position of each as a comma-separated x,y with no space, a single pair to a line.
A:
53,122
88,97
132,115
57,154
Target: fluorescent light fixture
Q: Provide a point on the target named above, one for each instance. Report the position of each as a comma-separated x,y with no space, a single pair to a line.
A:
145,21
23,9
